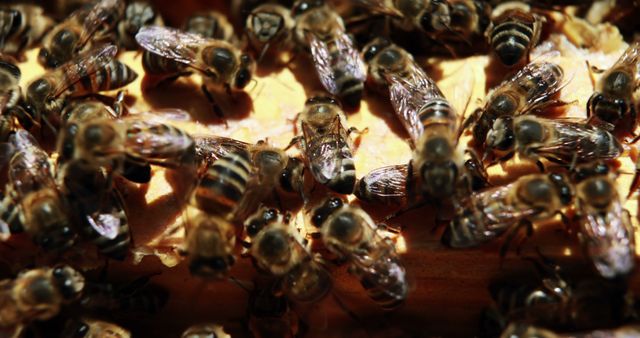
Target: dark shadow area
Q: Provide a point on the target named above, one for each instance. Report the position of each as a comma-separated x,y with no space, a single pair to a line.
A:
380,106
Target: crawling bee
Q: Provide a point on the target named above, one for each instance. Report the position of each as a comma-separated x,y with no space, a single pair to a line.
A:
220,62
554,302
92,328
326,143
205,330
239,176
531,89
71,36
513,32
432,17
31,185
21,26
605,226
136,15
337,61
269,29
270,314
523,330
44,97
564,142
486,215
612,100
278,249
209,245
37,294
111,143
350,232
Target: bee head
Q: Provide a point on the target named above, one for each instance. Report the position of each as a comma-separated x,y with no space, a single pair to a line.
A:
439,179
261,219
374,48
321,213
607,108
69,281
37,95
302,6
243,75
437,18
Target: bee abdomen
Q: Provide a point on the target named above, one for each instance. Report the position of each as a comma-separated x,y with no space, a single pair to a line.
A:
387,286
112,76
13,24
154,64
511,39
224,184
436,111
345,181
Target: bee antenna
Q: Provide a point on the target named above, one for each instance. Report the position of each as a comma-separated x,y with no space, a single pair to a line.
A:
240,284
264,50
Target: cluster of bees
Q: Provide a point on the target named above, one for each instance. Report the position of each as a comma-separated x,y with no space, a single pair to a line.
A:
234,200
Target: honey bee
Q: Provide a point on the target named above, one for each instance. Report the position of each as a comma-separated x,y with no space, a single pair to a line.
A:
136,15
564,142
513,32
209,245
279,249
350,232
21,26
219,61
210,25
431,16
92,328
9,83
556,303
606,228
523,330
44,97
268,26
239,176
110,143
612,100
529,90
36,294
270,314
71,36
337,61
205,331
31,184
326,144
488,214
469,18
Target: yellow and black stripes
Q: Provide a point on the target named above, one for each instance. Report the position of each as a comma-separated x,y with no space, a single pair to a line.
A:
112,76
514,33
224,184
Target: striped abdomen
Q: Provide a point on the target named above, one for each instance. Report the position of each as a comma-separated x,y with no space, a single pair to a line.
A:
223,184
350,87
112,76
154,64
437,111
385,280
46,220
160,144
13,25
513,34
345,180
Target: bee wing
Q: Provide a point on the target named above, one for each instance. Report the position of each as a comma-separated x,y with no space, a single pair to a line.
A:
106,12
379,6
574,140
630,58
173,44
109,218
83,65
548,83
409,94
210,148
323,151
329,65
386,182
609,240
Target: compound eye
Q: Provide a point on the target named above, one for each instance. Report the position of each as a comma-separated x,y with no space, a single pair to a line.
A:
622,106
242,78
371,52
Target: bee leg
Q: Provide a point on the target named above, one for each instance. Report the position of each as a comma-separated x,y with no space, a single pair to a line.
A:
510,237
294,141
214,106
540,166
635,183
360,133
